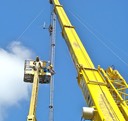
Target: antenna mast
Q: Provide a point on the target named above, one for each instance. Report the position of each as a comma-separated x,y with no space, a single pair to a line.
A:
52,31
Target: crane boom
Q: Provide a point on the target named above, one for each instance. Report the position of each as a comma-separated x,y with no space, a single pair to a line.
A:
95,83
32,109
35,72
73,41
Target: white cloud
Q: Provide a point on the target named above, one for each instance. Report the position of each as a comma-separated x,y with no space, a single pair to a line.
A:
12,87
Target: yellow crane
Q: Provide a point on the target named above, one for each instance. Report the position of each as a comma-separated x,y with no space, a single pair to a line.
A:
104,90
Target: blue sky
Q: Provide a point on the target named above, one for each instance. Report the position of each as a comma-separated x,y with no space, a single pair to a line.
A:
103,29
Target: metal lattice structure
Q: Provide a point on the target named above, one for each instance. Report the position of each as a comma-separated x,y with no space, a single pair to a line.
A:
52,30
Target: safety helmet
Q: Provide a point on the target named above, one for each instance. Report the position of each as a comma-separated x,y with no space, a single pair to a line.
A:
51,65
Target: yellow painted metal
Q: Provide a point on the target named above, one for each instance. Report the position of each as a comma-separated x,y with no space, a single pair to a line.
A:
73,41
93,84
32,109
118,88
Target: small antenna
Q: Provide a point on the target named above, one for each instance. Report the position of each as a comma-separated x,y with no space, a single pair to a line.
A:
44,25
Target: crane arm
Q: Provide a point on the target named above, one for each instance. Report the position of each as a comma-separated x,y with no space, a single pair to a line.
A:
72,39
92,82
33,101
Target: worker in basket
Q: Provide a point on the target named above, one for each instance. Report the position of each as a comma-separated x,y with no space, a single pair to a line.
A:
48,72
50,69
35,65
